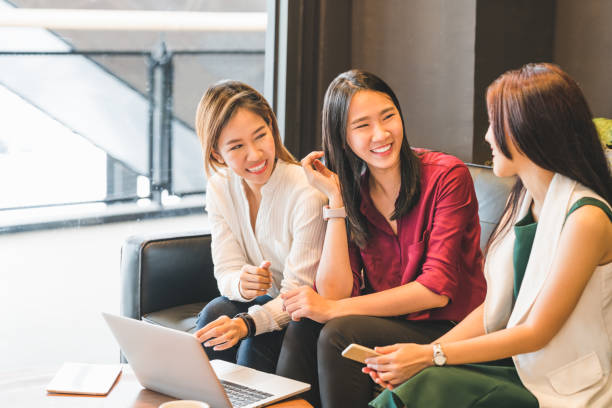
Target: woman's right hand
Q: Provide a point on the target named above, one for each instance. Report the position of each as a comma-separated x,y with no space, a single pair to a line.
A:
255,281
322,178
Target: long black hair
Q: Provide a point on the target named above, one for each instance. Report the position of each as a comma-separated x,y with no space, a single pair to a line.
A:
349,167
544,114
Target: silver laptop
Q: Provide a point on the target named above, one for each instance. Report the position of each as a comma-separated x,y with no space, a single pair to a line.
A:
173,363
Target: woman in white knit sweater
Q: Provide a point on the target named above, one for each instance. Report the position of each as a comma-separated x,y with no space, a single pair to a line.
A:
266,224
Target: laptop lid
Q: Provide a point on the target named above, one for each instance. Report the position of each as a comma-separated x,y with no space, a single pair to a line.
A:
174,363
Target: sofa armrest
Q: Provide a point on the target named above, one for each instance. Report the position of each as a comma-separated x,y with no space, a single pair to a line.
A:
165,270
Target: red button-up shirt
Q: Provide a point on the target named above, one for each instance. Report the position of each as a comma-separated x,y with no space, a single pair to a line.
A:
437,242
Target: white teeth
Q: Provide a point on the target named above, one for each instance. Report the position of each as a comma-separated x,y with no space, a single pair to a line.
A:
382,149
258,168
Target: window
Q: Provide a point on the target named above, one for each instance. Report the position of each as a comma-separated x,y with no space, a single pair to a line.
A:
97,143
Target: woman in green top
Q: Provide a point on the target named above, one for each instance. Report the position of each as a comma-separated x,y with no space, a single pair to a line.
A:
548,268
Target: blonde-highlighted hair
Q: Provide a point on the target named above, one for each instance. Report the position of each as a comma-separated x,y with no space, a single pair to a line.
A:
216,108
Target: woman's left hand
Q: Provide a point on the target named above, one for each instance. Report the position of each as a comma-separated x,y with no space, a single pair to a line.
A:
305,302
398,363
222,333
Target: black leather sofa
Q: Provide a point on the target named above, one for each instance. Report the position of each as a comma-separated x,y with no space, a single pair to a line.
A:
167,279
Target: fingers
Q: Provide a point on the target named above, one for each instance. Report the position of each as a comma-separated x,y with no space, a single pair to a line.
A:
220,334
387,349
295,297
379,363
260,274
389,379
210,331
255,281
290,294
207,331
310,158
312,165
375,376
320,167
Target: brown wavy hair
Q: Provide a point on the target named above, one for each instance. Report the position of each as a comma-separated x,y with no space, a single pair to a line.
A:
216,108
545,115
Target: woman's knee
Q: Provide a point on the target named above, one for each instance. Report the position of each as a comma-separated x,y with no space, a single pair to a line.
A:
337,334
220,306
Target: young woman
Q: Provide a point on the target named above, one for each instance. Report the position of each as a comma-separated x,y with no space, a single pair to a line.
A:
548,267
266,226
406,265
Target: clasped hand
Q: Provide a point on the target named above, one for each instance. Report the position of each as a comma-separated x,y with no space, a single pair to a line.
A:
398,363
305,302
255,281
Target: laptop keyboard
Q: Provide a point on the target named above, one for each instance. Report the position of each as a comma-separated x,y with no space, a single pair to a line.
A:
239,395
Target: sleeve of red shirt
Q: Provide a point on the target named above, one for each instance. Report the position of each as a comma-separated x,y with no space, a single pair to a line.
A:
456,209
356,268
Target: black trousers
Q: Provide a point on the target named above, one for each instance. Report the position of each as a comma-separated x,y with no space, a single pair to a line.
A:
311,353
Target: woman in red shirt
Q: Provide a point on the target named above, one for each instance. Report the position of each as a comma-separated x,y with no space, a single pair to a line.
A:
401,259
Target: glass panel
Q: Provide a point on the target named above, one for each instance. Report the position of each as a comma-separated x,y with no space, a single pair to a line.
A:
76,141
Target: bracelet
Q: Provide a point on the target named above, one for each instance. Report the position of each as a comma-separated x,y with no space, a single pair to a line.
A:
333,212
249,322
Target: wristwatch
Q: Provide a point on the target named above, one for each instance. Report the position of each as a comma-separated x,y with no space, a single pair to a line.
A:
439,358
333,212
248,321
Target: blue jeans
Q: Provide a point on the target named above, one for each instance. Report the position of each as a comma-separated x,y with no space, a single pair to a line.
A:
258,352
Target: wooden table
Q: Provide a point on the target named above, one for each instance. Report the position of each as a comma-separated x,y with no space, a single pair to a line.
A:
27,389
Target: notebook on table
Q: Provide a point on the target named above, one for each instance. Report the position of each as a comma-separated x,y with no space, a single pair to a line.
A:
174,363
88,379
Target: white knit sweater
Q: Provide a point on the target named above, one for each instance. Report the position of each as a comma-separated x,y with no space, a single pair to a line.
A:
289,232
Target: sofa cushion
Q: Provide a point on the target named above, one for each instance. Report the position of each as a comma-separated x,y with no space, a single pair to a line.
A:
492,193
179,317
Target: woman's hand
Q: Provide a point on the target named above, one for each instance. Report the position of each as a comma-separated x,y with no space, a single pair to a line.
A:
398,363
255,281
321,178
222,333
305,302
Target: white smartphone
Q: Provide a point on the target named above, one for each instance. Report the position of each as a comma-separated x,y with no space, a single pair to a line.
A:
358,353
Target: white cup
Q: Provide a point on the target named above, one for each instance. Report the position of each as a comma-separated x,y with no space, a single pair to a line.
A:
184,404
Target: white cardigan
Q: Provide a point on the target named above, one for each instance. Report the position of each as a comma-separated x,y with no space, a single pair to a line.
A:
289,232
573,369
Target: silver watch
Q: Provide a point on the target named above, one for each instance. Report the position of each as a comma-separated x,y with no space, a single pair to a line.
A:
439,358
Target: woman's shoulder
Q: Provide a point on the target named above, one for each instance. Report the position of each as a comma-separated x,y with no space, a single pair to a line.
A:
222,184
436,160
589,206
218,180
293,178
438,166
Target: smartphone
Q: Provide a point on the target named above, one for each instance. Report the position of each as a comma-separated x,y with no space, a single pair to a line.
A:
358,353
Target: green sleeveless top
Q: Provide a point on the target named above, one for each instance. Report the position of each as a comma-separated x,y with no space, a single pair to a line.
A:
525,230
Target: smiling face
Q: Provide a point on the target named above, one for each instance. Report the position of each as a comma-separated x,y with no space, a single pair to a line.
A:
374,130
246,146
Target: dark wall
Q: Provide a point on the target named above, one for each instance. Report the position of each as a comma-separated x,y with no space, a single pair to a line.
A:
439,56
583,47
509,34
424,49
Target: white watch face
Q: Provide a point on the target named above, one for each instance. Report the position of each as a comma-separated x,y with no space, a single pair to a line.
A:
439,359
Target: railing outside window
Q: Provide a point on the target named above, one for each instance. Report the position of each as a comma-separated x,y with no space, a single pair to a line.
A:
83,139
